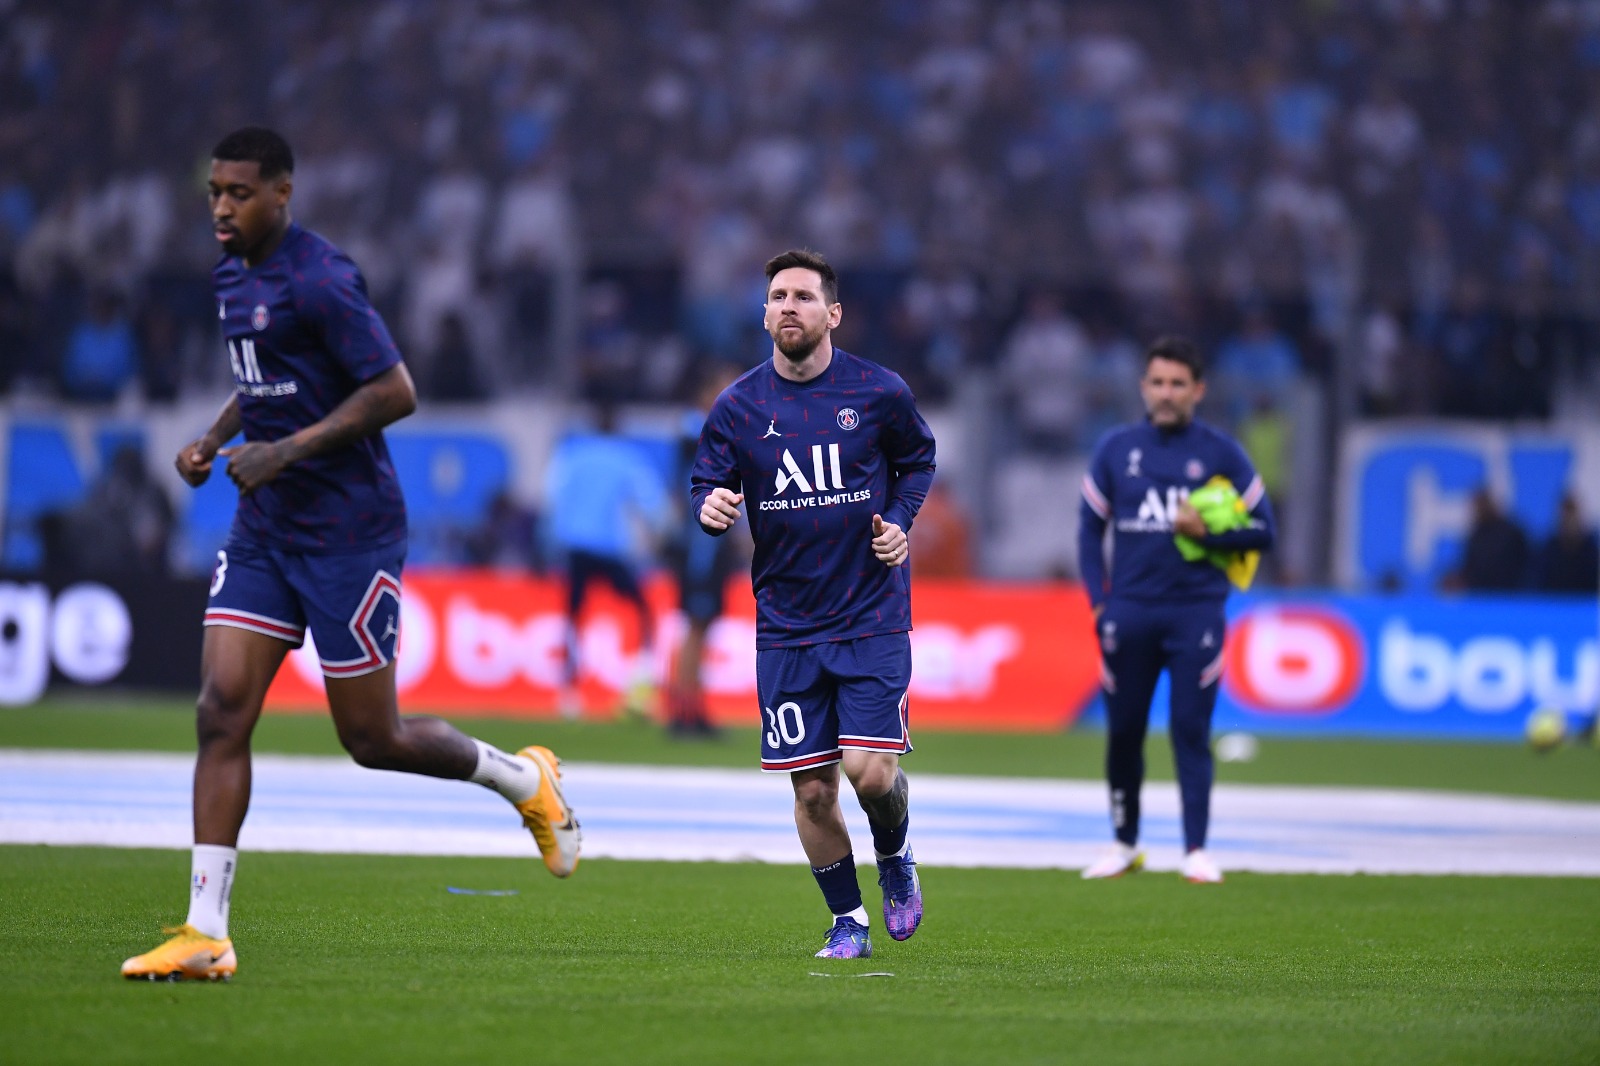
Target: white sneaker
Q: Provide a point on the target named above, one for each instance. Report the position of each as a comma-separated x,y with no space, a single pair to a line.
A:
1117,860
1199,869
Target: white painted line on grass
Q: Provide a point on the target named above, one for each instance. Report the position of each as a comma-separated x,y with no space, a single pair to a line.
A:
326,804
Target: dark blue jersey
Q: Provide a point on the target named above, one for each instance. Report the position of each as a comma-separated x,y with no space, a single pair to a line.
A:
815,461
1137,477
302,337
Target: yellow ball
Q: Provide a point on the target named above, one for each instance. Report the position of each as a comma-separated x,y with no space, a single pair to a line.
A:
1546,728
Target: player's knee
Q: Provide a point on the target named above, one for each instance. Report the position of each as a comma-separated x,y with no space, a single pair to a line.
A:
221,718
816,797
874,781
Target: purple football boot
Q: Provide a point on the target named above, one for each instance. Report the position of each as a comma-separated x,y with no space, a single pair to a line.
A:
902,895
847,939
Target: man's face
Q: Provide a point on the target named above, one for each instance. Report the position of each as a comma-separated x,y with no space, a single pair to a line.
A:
1170,393
245,208
798,314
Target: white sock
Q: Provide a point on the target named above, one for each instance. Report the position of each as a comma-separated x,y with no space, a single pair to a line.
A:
859,914
515,779
210,886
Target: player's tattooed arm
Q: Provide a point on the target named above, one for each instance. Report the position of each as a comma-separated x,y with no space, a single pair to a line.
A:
387,398
194,459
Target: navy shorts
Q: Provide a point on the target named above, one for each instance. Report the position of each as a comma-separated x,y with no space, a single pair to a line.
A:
351,601
703,565
584,568
818,699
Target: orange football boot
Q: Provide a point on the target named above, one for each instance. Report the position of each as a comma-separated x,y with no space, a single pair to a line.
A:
189,955
553,825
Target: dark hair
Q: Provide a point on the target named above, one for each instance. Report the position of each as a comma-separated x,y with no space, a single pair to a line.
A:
806,258
258,145
1177,349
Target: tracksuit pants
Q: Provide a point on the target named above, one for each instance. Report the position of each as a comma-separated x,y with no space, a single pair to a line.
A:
1138,640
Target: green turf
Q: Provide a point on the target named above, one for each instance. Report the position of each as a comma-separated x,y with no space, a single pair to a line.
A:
1512,769
369,959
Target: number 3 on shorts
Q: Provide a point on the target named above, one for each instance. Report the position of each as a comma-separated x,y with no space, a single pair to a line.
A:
778,725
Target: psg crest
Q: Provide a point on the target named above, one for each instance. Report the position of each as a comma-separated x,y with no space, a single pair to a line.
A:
259,317
848,419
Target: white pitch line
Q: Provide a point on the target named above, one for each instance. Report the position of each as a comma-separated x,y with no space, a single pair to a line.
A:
324,804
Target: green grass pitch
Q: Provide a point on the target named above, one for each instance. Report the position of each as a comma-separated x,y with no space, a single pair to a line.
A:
370,959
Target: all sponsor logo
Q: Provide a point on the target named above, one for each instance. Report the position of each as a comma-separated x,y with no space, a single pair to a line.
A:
1157,512
813,485
247,370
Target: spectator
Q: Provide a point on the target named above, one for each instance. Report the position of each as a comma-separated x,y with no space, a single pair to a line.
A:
1113,367
944,537
506,539
1462,348
1278,151
1569,561
1257,365
102,357
1041,371
1378,373
455,373
600,489
1495,558
704,565
122,527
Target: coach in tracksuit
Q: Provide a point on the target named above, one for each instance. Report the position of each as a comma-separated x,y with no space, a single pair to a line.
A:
1157,611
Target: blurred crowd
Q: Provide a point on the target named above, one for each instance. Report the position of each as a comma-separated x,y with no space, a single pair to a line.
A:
582,195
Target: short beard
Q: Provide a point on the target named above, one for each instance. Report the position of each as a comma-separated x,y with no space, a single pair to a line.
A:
797,351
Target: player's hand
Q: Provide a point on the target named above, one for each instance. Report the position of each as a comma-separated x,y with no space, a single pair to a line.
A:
1188,521
194,460
889,542
253,464
721,509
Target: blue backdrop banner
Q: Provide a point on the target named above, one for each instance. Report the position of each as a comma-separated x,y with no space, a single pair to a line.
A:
1468,667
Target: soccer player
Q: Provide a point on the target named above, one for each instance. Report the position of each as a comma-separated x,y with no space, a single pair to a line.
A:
596,489
318,540
834,460
1158,612
703,565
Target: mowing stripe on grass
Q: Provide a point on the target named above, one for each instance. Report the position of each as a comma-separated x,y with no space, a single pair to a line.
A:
320,804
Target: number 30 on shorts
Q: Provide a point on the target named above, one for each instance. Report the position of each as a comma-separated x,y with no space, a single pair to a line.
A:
778,725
